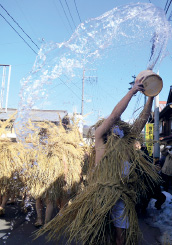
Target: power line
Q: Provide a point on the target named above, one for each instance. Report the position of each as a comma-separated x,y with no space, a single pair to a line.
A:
61,17
66,15
77,11
18,33
19,26
169,18
28,21
69,88
168,7
70,13
155,36
72,82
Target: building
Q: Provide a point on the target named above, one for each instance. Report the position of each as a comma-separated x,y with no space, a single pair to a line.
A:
35,116
165,121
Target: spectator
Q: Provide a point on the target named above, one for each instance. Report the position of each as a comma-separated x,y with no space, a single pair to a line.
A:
167,168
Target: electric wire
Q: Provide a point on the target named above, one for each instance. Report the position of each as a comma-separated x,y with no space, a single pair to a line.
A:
26,19
77,11
168,7
19,26
66,15
61,17
169,18
63,91
73,82
69,88
80,89
154,38
70,13
18,34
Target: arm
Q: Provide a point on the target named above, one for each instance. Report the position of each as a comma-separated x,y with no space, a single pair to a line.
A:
142,120
118,110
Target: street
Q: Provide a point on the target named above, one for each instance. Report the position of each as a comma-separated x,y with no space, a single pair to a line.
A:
17,227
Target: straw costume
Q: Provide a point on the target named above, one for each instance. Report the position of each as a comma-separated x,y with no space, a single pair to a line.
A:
11,155
88,218
11,166
11,160
113,178
56,160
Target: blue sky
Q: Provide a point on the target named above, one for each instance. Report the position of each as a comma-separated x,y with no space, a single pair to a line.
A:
44,22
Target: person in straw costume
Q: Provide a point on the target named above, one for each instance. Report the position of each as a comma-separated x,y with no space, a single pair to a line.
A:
10,167
11,160
55,175
104,212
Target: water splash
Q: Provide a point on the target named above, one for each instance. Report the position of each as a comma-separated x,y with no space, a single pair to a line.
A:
92,41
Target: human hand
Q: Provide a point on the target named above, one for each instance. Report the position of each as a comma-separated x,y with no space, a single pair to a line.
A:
138,86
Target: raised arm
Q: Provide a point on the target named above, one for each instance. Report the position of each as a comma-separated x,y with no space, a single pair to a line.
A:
143,117
118,110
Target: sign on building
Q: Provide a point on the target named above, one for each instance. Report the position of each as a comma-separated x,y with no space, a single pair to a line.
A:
149,138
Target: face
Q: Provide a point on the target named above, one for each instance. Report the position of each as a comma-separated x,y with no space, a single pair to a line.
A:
137,145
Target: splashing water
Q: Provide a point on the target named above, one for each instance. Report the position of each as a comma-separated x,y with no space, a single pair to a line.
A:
91,43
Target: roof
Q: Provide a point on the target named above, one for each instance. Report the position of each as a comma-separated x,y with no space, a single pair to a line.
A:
162,105
169,100
165,111
36,115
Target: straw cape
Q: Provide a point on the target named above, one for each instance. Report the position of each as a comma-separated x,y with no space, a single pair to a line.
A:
11,160
48,164
11,166
54,166
87,219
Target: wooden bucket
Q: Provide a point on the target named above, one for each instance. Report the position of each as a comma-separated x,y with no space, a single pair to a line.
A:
152,82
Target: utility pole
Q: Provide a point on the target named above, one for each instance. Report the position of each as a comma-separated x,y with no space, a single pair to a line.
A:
3,86
145,99
89,78
156,150
156,128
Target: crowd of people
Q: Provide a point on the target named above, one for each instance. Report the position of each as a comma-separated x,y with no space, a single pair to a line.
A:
99,187
47,167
